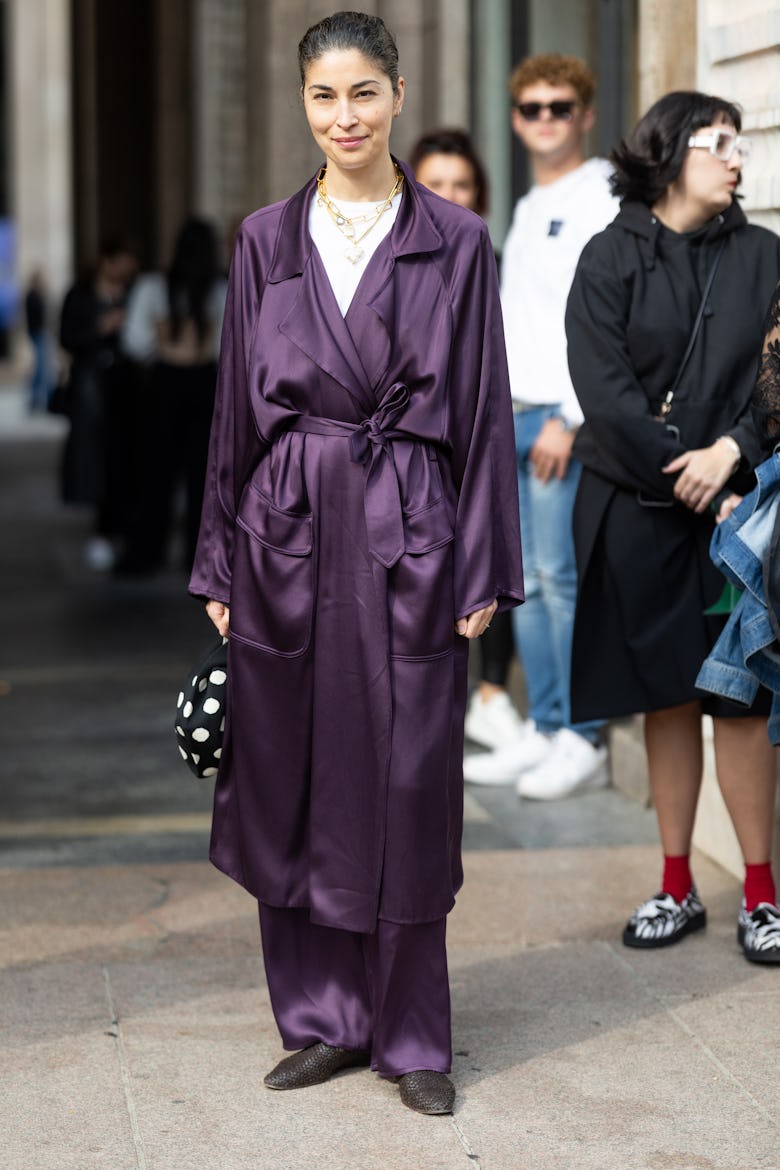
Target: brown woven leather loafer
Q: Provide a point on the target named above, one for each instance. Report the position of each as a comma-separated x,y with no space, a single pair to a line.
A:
427,1092
312,1066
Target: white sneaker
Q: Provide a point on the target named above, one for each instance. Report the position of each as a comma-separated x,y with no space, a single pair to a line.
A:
493,723
504,765
572,765
99,554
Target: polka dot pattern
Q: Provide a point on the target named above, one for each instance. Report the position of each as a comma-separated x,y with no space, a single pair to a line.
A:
200,713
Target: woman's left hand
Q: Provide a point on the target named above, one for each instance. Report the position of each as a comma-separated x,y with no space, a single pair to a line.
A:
477,622
727,507
702,473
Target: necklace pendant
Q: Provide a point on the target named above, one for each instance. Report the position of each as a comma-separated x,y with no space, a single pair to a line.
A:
354,254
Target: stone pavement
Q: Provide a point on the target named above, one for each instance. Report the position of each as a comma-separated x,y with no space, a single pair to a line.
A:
135,1020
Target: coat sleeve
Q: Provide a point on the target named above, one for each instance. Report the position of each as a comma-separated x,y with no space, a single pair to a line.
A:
632,447
234,446
488,562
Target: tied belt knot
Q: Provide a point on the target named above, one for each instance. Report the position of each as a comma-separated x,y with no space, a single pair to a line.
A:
370,445
372,437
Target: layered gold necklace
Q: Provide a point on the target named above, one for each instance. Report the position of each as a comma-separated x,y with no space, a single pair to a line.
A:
349,226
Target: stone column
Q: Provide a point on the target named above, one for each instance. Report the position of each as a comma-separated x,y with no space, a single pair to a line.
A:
221,119
739,59
667,48
41,146
174,146
492,65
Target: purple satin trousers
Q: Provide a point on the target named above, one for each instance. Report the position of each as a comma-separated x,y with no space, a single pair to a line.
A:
387,992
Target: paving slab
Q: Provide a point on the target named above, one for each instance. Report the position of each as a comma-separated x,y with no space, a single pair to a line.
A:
140,1021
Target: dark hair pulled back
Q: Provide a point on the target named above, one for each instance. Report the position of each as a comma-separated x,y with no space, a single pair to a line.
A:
652,156
350,30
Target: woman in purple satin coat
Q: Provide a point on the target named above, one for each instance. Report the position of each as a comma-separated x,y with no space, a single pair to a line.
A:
359,527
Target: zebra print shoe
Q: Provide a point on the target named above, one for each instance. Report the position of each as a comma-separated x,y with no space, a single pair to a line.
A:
758,933
662,920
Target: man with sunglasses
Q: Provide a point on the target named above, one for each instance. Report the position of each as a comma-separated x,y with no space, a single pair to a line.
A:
552,112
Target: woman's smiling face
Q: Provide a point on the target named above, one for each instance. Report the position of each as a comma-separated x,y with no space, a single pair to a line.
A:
350,105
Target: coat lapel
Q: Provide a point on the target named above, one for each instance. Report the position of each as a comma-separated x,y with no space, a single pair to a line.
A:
356,351
371,317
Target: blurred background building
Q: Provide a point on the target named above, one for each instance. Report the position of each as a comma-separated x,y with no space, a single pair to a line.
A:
123,116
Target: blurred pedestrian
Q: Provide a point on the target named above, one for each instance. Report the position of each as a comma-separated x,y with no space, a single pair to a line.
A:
359,528
36,311
172,332
92,315
665,322
445,161
570,200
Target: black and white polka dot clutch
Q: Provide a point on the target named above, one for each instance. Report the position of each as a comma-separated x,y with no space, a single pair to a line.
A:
200,713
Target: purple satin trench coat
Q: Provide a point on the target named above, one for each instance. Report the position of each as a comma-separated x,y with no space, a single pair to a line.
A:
361,495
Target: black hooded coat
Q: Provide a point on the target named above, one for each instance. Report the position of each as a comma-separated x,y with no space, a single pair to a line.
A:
644,573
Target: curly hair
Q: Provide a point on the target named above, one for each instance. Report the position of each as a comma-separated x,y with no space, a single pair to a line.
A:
652,156
450,140
554,69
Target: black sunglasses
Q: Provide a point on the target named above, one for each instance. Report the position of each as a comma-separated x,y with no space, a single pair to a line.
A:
559,111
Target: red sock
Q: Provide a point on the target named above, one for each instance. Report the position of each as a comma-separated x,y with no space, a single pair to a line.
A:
759,885
677,879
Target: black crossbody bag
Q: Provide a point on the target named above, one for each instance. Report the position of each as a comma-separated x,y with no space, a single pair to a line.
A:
666,405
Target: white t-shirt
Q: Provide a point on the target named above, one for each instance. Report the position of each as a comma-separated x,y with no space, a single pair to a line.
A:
550,227
332,245
147,306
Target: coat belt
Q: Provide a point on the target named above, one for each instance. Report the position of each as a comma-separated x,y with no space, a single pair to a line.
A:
371,444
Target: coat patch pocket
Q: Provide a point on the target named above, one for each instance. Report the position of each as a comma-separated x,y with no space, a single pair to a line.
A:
273,576
420,586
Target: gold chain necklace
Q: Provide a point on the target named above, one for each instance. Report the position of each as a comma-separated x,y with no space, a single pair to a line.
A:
346,225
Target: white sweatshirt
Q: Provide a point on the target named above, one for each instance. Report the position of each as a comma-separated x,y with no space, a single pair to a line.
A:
550,227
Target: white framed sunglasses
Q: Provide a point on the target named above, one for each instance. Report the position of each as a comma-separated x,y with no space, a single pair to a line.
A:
723,143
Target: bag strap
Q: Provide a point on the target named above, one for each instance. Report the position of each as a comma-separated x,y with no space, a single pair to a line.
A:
666,405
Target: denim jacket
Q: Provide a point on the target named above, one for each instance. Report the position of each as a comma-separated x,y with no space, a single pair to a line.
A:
747,654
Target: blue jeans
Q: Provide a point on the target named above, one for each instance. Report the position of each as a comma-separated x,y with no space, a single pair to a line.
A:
40,384
544,625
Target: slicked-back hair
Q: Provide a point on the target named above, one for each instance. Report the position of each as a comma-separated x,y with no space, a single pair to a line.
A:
451,140
651,158
350,30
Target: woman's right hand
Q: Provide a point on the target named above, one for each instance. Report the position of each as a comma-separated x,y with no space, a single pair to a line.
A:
220,615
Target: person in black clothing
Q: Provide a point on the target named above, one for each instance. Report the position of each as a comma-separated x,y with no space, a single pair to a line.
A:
172,335
658,469
445,161
95,452
40,384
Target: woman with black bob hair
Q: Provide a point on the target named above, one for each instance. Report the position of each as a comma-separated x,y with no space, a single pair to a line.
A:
653,157
665,325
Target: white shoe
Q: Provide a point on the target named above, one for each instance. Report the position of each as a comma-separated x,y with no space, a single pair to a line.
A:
572,765
493,723
505,764
99,554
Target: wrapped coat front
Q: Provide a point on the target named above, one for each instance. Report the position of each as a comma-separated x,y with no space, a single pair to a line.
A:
361,497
